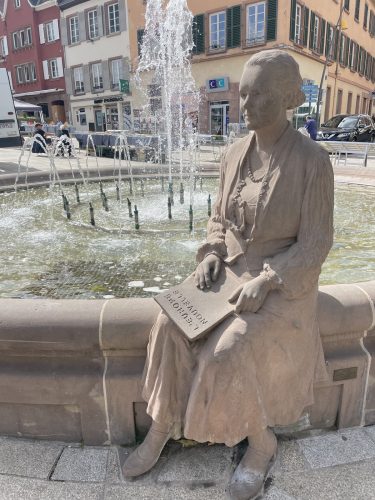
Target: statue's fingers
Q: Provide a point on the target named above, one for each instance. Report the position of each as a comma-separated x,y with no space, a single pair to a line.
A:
241,303
216,271
207,276
199,278
235,294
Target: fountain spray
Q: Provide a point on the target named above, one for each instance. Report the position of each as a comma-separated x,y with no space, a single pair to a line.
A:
166,56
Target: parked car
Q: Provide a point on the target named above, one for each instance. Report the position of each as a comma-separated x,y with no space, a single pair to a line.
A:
359,128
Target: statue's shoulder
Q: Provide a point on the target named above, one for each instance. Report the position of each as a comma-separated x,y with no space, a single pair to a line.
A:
237,146
309,149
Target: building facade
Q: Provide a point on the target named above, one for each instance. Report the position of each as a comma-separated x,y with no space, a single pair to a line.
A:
226,33
31,51
96,42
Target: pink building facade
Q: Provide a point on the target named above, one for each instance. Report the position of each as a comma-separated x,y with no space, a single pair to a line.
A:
32,53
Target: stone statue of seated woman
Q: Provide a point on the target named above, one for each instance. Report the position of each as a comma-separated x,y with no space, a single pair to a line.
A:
272,224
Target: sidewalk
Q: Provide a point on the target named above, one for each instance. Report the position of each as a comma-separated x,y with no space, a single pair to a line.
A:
328,466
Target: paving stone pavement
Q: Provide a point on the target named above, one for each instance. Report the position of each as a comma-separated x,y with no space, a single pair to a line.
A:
329,465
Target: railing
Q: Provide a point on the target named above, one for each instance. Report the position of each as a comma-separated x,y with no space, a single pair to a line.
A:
255,40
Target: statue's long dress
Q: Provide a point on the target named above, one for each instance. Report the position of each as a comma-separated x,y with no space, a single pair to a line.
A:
253,370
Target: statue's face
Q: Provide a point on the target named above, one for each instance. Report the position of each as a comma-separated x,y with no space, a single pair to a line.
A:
260,100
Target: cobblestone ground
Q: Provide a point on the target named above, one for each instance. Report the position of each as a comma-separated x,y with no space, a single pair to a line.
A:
318,466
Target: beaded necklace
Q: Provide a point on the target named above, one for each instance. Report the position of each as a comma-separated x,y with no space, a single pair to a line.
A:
251,173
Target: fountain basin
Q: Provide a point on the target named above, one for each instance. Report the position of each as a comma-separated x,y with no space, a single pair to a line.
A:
71,369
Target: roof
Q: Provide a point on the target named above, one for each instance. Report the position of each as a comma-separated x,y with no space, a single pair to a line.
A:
65,4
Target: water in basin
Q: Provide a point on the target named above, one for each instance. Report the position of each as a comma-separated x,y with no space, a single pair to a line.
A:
44,255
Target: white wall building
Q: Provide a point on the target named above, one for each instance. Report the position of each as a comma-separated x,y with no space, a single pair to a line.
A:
96,40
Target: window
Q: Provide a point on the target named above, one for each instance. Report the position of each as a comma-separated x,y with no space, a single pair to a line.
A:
23,38
342,49
81,116
365,17
256,23
78,80
53,68
19,74
26,73
357,7
217,30
17,4
116,66
357,104
298,24
349,103
347,4
97,76
33,72
315,43
93,24
29,38
74,29
3,46
113,18
50,34
16,42
330,42
339,102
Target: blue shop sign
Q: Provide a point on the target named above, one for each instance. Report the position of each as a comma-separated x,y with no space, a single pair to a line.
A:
219,84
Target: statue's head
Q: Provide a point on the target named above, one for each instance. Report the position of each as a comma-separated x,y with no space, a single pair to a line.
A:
270,84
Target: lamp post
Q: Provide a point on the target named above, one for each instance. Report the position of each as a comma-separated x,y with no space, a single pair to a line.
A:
338,28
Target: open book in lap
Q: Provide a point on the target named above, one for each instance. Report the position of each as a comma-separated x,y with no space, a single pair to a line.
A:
197,311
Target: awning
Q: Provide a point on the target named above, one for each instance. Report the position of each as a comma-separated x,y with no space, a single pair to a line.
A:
25,106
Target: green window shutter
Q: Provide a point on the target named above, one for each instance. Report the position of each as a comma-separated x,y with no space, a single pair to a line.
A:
272,20
336,46
293,4
312,22
198,34
346,53
328,41
356,60
140,34
357,7
322,36
234,27
306,17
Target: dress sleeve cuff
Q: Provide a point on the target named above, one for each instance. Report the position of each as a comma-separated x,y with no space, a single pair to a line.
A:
271,276
216,247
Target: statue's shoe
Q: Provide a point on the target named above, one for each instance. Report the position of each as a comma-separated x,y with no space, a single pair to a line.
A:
248,484
145,456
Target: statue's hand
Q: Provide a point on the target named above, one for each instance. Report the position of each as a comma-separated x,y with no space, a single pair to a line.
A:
251,295
207,271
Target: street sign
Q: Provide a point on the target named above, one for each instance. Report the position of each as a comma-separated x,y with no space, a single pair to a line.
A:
124,86
311,92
